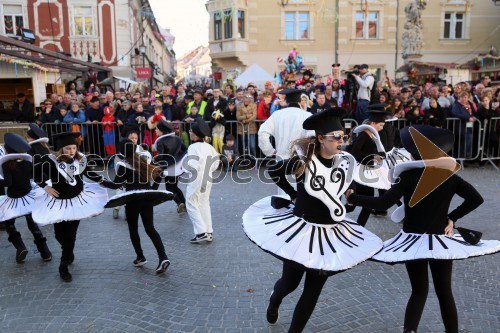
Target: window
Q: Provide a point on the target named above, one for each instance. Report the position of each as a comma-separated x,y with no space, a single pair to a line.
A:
82,21
454,25
367,27
228,24
241,24
217,26
296,25
13,19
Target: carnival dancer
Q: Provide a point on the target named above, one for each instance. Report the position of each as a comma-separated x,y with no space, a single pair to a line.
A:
136,174
132,133
170,155
427,238
310,233
369,152
202,161
16,170
63,199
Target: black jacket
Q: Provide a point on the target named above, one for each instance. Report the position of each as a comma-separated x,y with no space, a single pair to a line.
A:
170,150
25,114
17,178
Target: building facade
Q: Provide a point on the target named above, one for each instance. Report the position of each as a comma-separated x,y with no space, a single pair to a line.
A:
118,34
195,66
243,32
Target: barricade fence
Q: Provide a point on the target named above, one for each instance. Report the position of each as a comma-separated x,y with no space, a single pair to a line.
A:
474,140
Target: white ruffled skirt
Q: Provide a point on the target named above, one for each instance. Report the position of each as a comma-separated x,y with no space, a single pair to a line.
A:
322,248
49,210
408,246
11,208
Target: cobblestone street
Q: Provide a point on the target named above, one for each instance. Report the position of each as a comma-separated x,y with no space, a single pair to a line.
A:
224,286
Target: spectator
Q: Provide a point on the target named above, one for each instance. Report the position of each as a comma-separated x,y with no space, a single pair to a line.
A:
463,134
305,103
433,93
337,93
264,107
413,112
171,110
320,104
109,124
146,106
405,96
200,104
279,102
239,97
246,114
417,95
230,154
94,114
365,81
435,115
23,111
484,114
50,119
217,123
75,117
228,92
217,103
382,99
193,115
155,119
230,116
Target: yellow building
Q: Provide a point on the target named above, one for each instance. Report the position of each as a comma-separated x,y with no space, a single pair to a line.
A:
243,32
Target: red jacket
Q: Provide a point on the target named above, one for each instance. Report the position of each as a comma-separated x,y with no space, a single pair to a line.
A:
263,111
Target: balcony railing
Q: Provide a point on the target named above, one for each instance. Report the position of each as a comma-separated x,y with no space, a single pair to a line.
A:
80,47
225,46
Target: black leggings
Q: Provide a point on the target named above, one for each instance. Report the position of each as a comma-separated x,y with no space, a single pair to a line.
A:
419,278
365,212
145,210
172,185
32,226
289,281
65,233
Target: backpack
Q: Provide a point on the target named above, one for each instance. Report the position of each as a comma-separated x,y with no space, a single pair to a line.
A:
373,92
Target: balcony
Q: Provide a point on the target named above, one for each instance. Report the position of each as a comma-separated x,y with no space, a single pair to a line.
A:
80,48
227,48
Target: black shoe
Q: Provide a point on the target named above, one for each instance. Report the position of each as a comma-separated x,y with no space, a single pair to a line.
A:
162,266
379,212
21,254
272,314
140,261
200,238
407,330
64,273
43,249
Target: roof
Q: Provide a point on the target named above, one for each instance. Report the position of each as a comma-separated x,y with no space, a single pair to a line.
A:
22,50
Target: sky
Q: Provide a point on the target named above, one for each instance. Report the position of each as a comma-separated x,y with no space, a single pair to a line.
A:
187,21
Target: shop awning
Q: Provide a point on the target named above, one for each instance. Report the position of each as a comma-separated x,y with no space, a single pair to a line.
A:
38,55
411,65
124,79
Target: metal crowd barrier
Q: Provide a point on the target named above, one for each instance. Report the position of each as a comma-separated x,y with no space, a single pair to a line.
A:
474,141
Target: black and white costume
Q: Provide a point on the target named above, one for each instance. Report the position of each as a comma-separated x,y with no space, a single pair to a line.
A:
139,199
312,236
16,171
171,153
422,242
76,199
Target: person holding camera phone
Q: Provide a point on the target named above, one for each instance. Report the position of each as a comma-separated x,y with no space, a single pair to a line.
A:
365,81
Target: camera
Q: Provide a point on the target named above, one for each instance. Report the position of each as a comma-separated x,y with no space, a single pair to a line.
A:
354,71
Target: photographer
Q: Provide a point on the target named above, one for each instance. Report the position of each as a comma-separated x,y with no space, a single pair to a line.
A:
365,82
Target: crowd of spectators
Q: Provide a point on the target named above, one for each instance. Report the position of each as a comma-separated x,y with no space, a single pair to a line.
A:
100,117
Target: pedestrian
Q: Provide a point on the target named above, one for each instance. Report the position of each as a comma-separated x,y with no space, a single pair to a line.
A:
310,232
16,169
427,238
202,161
135,174
170,156
63,199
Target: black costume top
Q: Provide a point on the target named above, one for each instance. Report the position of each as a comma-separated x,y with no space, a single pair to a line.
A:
170,150
430,215
364,148
49,171
310,208
17,179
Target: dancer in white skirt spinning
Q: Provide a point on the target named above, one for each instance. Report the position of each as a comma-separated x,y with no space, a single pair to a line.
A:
427,238
310,233
135,174
16,170
63,199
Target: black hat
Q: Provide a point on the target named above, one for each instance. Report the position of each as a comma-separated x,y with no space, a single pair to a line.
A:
15,144
198,92
231,101
470,236
200,128
325,121
94,99
165,127
126,147
36,132
363,66
378,113
442,138
335,65
405,90
292,95
130,128
66,139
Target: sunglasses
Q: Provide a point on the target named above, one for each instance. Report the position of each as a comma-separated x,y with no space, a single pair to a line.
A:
337,137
